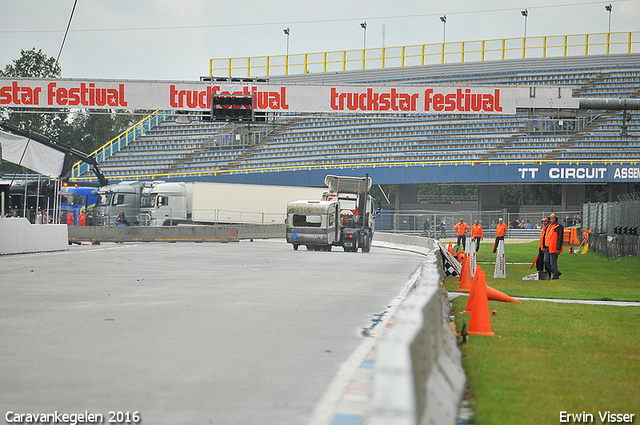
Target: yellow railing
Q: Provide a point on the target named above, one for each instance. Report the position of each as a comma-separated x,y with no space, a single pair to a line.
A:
118,142
567,161
428,54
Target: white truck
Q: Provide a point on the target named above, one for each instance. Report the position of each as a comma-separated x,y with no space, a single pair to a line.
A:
168,203
345,217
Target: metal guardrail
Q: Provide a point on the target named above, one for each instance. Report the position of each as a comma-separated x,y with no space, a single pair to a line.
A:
428,54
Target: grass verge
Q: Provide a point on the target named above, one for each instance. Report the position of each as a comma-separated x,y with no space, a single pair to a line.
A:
548,357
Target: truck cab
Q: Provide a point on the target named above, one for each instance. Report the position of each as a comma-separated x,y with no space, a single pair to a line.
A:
163,204
77,200
357,210
123,196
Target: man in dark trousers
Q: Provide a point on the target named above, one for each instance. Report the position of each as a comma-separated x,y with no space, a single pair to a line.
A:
553,240
541,246
501,230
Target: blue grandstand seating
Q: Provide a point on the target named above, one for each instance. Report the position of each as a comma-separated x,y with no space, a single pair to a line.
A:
328,140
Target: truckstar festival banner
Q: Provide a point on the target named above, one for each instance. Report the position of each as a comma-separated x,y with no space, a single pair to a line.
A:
196,96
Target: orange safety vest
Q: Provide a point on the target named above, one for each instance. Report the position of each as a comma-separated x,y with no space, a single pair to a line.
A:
69,219
551,239
476,231
501,230
462,228
543,232
82,219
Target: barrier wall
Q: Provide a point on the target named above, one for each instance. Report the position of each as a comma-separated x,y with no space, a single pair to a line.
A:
19,236
419,377
219,233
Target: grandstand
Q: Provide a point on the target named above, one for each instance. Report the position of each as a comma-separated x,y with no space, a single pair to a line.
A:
424,148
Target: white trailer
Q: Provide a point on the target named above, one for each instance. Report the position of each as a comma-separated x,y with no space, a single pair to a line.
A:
165,204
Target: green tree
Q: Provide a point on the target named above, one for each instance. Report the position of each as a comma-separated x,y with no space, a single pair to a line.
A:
85,130
32,63
35,64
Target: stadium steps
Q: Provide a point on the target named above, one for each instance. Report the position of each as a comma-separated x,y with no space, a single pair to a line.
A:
278,132
588,129
584,89
507,142
173,168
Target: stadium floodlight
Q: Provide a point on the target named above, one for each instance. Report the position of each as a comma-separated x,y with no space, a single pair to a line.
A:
609,8
363,25
287,31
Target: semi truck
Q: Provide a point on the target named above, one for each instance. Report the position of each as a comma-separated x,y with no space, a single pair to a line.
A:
178,203
78,199
124,196
344,216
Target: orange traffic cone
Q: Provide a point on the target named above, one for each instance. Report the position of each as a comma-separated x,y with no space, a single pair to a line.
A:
450,249
495,295
474,285
480,321
465,275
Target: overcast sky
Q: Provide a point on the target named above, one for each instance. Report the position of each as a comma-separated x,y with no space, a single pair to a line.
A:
174,40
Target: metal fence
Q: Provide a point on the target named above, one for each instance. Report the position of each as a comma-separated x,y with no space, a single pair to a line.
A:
613,218
413,222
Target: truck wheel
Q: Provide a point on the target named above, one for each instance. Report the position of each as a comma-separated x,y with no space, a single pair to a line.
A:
328,248
295,247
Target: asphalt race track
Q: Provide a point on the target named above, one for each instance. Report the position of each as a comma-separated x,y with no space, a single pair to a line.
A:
187,333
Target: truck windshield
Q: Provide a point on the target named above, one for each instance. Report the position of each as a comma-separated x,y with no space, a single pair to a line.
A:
66,199
104,199
148,201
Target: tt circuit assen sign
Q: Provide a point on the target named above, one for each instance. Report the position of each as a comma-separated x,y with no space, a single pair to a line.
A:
196,96
577,173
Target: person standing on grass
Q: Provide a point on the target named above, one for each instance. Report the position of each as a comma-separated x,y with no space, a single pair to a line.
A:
462,228
541,246
501,230
553,245
477,234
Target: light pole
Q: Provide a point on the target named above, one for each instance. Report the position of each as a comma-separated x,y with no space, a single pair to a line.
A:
524,13
287,31
364,27
609,8
443,19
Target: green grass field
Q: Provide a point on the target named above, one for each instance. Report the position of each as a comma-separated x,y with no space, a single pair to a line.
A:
548,357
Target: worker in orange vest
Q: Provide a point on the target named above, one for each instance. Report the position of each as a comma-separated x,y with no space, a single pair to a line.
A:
553,245
541,246
501,230
477,234
462,228
69,218
82,219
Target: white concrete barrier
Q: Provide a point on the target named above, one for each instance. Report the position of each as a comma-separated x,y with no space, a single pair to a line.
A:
419,377
19,236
